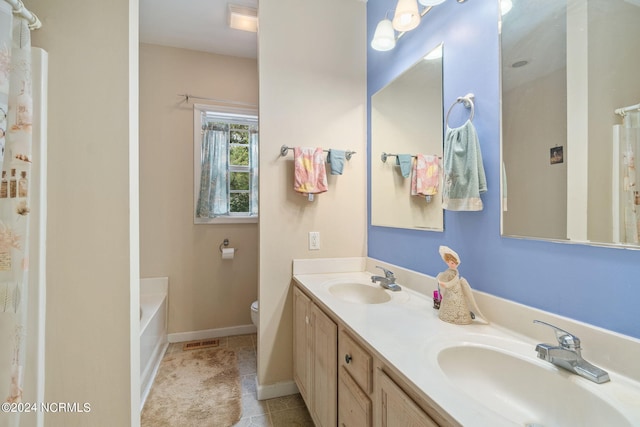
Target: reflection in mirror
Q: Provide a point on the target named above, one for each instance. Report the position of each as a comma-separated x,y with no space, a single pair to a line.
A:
406,119
567,65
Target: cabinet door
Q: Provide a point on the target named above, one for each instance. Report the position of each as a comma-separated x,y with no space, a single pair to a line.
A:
302,353
354,406
325,375
398,410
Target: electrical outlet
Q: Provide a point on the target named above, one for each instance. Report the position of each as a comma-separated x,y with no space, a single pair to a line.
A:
314,240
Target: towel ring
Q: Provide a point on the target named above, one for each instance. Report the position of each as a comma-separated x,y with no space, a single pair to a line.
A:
467,101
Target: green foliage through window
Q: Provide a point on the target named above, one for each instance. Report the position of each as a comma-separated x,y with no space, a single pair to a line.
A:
239,173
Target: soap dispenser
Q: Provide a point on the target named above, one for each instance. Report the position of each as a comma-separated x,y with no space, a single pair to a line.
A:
458,305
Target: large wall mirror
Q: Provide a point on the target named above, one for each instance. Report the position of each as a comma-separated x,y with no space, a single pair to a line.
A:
569,159
406,120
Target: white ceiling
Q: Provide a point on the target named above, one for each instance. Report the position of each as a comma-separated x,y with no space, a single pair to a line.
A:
196,25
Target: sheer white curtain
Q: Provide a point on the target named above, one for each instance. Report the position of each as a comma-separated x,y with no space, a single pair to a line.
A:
15,155
213,200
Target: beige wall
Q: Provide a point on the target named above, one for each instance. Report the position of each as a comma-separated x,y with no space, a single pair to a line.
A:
205,292
537,190
406,118
613,77
312,61
90,244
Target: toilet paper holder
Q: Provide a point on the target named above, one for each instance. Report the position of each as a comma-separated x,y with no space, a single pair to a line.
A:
225,243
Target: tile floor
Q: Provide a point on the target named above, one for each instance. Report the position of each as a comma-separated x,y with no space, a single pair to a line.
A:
287,411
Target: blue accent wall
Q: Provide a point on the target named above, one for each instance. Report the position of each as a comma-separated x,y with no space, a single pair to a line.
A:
596,285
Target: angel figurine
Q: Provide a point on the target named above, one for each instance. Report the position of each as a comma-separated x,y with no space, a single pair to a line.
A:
456,293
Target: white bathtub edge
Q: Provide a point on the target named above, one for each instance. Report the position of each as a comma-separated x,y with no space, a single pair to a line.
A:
150,372
153,330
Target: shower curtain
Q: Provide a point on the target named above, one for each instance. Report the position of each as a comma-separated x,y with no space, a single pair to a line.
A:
630,191
15,155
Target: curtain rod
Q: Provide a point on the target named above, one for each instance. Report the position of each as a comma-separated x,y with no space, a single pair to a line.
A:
221,101
624,110
19,9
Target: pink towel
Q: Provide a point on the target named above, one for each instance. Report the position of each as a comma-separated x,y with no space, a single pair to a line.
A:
310,172
425,177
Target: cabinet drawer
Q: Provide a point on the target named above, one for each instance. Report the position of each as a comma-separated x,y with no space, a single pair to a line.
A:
356,361
354,406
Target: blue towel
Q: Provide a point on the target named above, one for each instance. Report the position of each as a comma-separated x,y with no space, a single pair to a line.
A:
464,177
404,161
336,159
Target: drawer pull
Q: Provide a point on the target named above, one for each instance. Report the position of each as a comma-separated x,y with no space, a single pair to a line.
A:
347,358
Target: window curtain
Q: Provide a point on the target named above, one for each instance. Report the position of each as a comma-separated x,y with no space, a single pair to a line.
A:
213,200
15,155
253,186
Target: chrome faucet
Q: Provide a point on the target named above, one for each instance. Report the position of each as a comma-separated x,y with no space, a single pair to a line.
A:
388,281
568,356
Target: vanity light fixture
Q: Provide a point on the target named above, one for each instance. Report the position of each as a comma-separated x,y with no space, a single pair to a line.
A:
430,2
384,38
406,17
242,18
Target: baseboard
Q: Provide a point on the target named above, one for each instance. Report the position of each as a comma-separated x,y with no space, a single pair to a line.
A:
270,391
212,333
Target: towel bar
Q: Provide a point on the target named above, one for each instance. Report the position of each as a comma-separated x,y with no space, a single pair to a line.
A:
284,150
384,156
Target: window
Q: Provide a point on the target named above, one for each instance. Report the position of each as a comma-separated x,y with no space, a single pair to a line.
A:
225,165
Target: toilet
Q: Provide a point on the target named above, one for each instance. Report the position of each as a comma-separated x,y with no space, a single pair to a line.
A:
254,313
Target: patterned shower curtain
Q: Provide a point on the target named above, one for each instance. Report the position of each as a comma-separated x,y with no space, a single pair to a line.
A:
15,155
630,146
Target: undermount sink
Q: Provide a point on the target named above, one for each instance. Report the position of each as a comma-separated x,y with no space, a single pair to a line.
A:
359,293
526,391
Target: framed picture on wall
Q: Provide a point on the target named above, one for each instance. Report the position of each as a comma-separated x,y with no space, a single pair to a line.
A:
556,155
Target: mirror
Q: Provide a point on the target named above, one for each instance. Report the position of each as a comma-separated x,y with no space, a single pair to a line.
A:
406,119
569,160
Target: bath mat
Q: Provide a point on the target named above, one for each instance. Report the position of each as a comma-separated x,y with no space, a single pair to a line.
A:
195,388
194,345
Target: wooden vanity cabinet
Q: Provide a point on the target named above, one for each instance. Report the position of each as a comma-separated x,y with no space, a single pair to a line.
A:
397,409
345,383
314,359
355,383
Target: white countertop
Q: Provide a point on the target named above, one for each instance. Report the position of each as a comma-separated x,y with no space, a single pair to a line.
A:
407,333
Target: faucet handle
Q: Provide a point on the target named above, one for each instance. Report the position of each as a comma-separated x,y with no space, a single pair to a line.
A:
387,273
565,339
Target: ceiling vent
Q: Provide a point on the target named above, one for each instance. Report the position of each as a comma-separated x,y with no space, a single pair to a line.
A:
242,18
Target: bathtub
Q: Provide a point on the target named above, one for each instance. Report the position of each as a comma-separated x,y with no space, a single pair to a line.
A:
153,329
